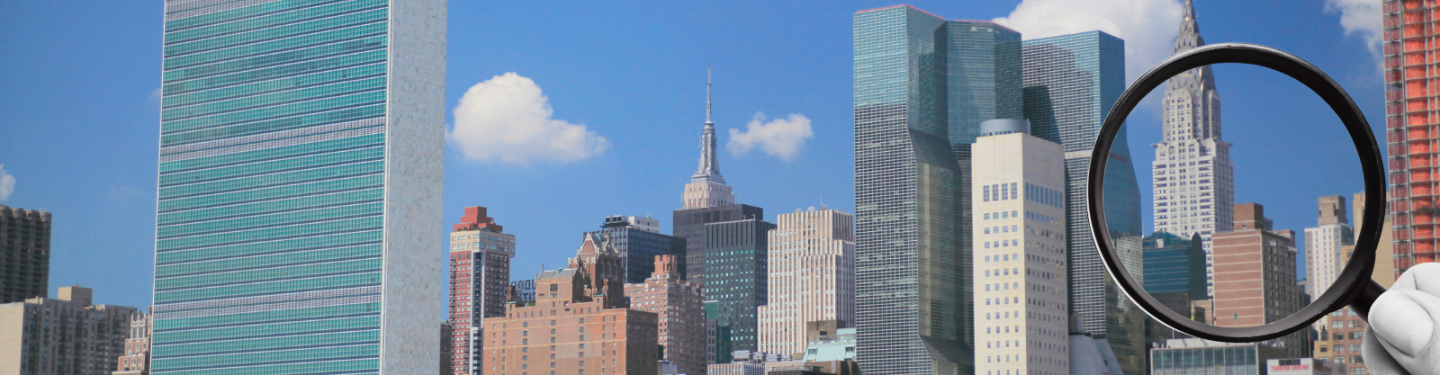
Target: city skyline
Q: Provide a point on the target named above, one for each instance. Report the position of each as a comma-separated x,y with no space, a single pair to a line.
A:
77,183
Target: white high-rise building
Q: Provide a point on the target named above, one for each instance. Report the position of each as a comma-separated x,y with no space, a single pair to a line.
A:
1325,247
1021,313
812,277
1194,180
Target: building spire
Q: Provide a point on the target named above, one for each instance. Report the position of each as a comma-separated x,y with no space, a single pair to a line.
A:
709,165
1189,37
709,108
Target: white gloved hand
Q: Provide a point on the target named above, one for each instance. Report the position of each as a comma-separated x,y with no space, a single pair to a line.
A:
1404,332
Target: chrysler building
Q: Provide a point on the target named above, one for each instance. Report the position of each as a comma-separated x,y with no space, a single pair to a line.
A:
1193,177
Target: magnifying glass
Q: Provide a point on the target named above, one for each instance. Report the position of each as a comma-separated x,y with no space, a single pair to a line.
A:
1352,287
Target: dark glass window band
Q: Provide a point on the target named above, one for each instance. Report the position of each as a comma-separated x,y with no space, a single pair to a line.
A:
1353,287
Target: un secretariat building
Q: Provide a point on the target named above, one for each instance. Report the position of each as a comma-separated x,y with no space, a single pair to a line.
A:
301,154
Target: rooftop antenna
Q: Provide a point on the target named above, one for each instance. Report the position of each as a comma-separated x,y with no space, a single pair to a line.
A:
709,108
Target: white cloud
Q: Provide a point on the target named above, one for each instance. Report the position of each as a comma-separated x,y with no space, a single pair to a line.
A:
779,137
1148,27
508,118
124,193
1360,18
7,183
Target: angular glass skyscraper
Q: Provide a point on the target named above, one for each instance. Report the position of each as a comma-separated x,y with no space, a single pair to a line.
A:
1071,81
912,311
300,187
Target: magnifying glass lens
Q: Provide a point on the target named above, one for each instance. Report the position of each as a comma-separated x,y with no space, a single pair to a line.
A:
1233,218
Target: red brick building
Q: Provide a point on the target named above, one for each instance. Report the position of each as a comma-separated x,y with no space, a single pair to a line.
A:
571,330
681,311
1255,276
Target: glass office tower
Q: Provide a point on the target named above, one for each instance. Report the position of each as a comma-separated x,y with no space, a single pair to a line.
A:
301,154
1071,81
912,315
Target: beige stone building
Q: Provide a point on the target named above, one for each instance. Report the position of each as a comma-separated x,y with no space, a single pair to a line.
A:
678,305
136,358
811,277
572,329
66,335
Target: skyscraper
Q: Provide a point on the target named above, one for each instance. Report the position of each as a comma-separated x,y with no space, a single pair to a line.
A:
811,277
1071,81
912,305
301,166
1325,247
735,263
1194,180
1410,128
1022,325
639,241
480,253
706,200
24,254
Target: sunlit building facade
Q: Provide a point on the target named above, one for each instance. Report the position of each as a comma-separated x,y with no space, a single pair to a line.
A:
1021,323
811,264
1071,81
1194,179
480,253
1412,126
300,182
913,310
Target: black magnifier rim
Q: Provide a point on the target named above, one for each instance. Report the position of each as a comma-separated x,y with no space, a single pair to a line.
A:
1353,278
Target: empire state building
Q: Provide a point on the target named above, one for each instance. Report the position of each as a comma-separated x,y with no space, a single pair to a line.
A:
1193,177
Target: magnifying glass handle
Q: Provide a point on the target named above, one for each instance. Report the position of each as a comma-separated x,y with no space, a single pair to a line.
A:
1361,304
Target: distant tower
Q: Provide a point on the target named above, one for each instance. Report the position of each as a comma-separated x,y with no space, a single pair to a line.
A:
812,277
1194,180
707,187
639,241
706,200
24,254
480,253
1325,248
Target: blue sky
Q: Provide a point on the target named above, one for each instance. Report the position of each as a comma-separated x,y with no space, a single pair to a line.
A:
79,128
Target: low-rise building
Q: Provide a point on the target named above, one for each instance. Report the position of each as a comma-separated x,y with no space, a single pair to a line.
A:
63,335
571,329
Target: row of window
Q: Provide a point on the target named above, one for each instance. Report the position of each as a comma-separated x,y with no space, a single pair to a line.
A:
330,36
162,325
338,239
268,206
1001,192
267,27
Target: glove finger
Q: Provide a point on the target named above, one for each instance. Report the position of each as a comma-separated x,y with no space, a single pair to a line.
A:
1404,322
1377,358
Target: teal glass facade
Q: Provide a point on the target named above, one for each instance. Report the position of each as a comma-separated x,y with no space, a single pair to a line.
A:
279,144
736,263
1070,83
912,311
1175,269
